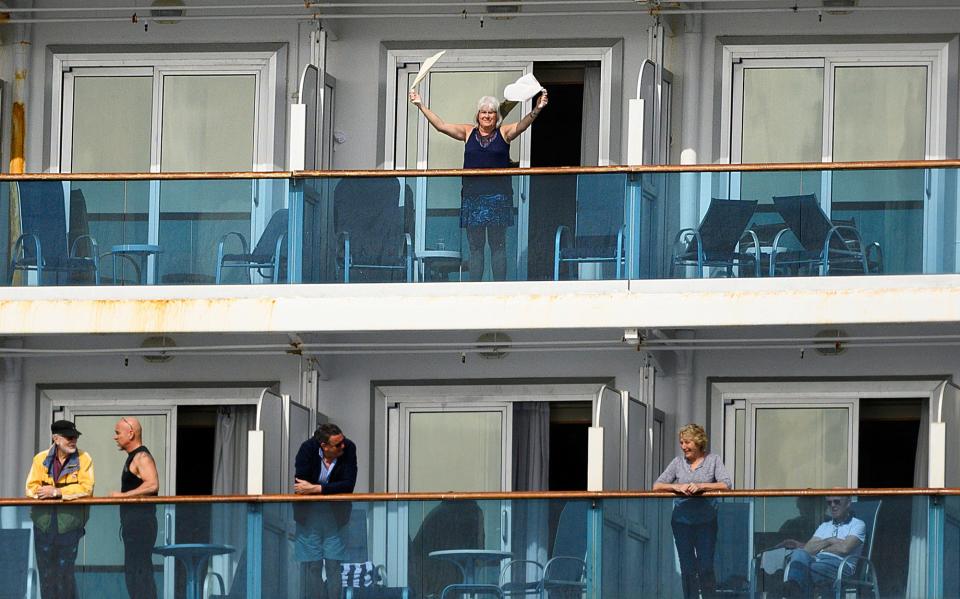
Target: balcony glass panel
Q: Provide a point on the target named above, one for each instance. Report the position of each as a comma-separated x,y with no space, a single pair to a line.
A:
590,546
603,225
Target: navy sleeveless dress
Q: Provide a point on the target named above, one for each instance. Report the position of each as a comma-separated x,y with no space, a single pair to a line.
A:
486,201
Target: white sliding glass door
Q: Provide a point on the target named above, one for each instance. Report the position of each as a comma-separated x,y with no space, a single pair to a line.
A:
843,104
100,547
168,114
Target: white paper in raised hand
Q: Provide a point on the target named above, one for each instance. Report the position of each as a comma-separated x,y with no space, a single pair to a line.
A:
522,89
425,68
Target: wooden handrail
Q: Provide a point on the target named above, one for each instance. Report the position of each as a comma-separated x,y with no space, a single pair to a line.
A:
560,495
564,170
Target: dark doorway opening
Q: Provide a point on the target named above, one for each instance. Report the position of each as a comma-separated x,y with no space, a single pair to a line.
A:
889,433
569,421
196,426
557,141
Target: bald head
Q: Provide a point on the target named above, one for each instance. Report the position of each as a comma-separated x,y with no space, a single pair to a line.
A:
127,433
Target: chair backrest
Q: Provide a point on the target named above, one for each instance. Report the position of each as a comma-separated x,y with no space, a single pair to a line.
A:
867,511
43,213
600,209
276,226
368,208
724,224
571,539
14,562
810,225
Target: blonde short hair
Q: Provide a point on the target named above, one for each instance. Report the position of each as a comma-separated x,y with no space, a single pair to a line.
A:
484,102
695,433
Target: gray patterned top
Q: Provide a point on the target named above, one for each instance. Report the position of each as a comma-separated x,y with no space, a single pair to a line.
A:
693,510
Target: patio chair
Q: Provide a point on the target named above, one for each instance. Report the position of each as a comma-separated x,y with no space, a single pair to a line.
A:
358,581
268,255
19,579
864,577
370,221
599,234
238,589
825,244
565,573
42,242
715,241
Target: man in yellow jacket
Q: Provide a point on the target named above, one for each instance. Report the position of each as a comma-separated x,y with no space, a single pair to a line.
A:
60,473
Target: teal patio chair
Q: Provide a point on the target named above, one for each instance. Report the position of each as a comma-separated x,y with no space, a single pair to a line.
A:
42,242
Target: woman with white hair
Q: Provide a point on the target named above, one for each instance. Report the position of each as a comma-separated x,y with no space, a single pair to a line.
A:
486,205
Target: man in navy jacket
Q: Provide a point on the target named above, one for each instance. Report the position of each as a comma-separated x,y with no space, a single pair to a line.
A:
326,464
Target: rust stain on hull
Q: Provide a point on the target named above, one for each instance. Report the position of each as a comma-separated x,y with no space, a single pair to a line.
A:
17,138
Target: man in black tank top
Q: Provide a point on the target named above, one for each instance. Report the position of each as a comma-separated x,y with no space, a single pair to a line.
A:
138,523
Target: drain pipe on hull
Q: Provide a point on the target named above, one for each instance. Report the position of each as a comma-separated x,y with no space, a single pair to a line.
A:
22,45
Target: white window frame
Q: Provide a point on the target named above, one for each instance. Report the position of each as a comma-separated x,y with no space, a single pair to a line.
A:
264,65
492,58
932,55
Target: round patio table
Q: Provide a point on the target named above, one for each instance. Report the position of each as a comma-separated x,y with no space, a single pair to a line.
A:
194,557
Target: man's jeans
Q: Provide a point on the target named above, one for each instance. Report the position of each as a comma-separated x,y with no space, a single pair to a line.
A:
814,572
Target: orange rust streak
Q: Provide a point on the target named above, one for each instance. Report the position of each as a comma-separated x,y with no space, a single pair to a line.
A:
17,136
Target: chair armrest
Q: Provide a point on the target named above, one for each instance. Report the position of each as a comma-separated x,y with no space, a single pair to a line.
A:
853,560
563,558
775,249
509,566
752,235
621,248
557,242
345,236
219,579
93,245
681,233
408,255
223,240
36,243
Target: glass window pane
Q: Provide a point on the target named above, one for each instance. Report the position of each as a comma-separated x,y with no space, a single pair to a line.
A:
782,115
455,451
111,124
880,114
782,122
820,435
208,123
194,216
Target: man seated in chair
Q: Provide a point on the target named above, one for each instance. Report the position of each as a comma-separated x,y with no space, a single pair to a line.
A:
814,566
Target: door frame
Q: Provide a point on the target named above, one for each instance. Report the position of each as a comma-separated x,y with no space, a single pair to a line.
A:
799,392
266,65
608,53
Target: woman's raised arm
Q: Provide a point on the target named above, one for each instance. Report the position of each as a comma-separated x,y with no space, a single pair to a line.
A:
513,130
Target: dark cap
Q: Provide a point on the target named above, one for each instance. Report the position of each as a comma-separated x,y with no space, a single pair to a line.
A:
64,428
